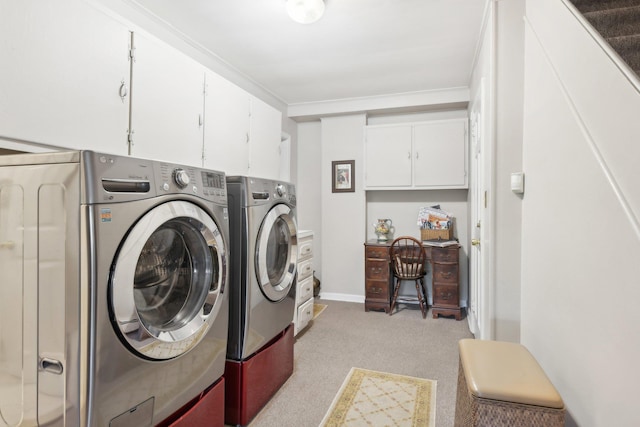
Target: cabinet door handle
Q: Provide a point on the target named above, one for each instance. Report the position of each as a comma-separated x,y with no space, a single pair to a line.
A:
123,90
417,155
409,155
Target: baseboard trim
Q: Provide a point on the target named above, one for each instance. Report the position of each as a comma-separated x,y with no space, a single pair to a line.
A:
342,297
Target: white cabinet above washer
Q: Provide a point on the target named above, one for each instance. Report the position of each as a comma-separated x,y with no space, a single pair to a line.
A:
64,68
167,119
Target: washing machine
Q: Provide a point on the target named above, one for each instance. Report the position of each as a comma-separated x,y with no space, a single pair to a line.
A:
264,251
114,304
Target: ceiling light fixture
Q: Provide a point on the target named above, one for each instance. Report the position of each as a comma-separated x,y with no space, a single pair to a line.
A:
305,11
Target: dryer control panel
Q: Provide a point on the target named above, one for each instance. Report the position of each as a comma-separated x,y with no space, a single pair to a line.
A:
263,191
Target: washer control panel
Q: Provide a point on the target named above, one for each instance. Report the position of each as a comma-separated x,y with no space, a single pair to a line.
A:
181,177
114,178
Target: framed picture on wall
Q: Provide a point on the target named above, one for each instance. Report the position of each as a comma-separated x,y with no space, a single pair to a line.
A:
342,176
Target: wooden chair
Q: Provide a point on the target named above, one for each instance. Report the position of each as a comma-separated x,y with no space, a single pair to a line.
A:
409,262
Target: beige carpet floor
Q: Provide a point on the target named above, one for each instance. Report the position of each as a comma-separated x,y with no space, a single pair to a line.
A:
345,336
372,398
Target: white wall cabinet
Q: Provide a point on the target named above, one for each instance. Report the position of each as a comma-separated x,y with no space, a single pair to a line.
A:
63,64
66,72
226,133
264,140
167,108
242,133
428,155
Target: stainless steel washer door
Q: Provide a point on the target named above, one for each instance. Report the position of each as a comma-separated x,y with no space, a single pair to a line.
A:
276,253
167,280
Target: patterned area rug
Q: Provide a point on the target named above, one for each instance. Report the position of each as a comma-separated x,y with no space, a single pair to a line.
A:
370,398
317,309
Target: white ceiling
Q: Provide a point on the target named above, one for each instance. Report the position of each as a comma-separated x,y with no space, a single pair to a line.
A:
359,48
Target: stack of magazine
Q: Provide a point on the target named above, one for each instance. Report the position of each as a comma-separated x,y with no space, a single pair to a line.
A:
434,218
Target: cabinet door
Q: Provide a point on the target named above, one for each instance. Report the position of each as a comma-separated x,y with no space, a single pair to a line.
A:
226,134
388,156
264,140
63,63
167,103
440,153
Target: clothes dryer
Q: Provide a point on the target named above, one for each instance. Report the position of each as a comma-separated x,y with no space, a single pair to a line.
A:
117,286
264,251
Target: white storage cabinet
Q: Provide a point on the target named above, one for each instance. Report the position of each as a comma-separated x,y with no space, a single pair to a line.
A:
304,283
427,155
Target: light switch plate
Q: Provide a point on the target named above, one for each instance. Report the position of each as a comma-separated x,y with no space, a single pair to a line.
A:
517,182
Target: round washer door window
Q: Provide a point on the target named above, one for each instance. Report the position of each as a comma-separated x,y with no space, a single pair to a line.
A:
168,279
277,253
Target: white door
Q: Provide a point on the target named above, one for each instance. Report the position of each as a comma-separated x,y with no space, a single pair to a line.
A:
475,267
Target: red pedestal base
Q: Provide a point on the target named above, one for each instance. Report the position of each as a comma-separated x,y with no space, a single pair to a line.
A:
205,410
251,383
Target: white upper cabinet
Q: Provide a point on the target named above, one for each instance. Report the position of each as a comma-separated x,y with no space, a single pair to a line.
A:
428,155
167,111
264,140
242,133
388,156
440,154
64,67
226,133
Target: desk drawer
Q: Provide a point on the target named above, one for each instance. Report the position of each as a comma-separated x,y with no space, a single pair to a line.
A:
445,254
377,252
376,269
377,290
445,295
445,273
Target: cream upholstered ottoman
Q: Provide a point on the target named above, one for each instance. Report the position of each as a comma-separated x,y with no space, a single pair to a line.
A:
501,384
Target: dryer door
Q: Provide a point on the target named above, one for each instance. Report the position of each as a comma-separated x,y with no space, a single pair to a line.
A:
167,281
277,253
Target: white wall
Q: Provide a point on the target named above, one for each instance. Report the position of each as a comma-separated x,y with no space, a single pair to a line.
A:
580,228
308,187
343,214
508,158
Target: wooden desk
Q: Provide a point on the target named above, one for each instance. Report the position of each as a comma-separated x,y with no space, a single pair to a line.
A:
445,272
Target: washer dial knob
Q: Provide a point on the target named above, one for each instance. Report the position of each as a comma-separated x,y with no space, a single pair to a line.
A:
181,177
280,190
